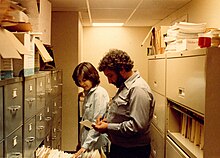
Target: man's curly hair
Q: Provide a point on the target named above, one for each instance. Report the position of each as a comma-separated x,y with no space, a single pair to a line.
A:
116,60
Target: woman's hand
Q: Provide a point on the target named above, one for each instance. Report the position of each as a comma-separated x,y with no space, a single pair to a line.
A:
79,152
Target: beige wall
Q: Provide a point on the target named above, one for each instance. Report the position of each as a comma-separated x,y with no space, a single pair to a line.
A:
98,40
66,43
197,11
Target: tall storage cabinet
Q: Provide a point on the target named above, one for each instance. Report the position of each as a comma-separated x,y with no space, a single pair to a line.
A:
156,80
192,102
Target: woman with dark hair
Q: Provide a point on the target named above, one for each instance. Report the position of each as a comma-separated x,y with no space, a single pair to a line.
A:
95,102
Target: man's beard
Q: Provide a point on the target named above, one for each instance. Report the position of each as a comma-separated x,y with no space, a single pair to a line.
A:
119,81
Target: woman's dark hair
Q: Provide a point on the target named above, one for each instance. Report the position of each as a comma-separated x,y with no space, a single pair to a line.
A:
116,60
88,72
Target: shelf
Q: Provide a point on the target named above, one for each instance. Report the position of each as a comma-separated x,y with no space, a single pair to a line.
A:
189,147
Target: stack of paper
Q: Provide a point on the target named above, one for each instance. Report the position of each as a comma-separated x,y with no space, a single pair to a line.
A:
184,36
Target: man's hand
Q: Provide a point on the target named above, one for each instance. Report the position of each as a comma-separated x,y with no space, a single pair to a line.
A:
101,125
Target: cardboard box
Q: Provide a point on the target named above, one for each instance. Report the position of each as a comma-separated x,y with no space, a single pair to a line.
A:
8,52
25,66
6,68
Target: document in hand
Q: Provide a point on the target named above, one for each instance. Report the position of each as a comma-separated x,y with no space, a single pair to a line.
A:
86,123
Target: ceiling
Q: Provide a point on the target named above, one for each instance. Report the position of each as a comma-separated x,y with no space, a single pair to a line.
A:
129,12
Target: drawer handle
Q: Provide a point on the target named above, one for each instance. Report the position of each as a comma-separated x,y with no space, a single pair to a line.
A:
48,119
54,137
49,90
60,84
30,100
181,92
14,108
55,112
15,155
29,139
41,95
56,86
40,128
155,83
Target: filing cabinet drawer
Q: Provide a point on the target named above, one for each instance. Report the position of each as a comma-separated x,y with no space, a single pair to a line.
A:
174,151
48,119
55,110
1,149
13,144
157,143
56,78
40,127
13,107
60,82
156,79
40,93
41,83
29,138
159,117
48,80
186,81
1,113
48,140
30,98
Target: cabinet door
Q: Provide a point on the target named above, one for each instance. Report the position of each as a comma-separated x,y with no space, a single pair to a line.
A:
157,143
159,112
186,81
173,151
156,79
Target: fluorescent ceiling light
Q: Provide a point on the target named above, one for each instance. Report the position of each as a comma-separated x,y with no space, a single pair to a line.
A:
107,24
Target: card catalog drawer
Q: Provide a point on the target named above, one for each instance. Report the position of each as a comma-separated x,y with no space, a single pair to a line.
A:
13,144
13,107
30,98
29,138
40,127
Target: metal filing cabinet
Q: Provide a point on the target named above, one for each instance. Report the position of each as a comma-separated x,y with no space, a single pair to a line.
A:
13,144
13,102
156,80
29,138
29,97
